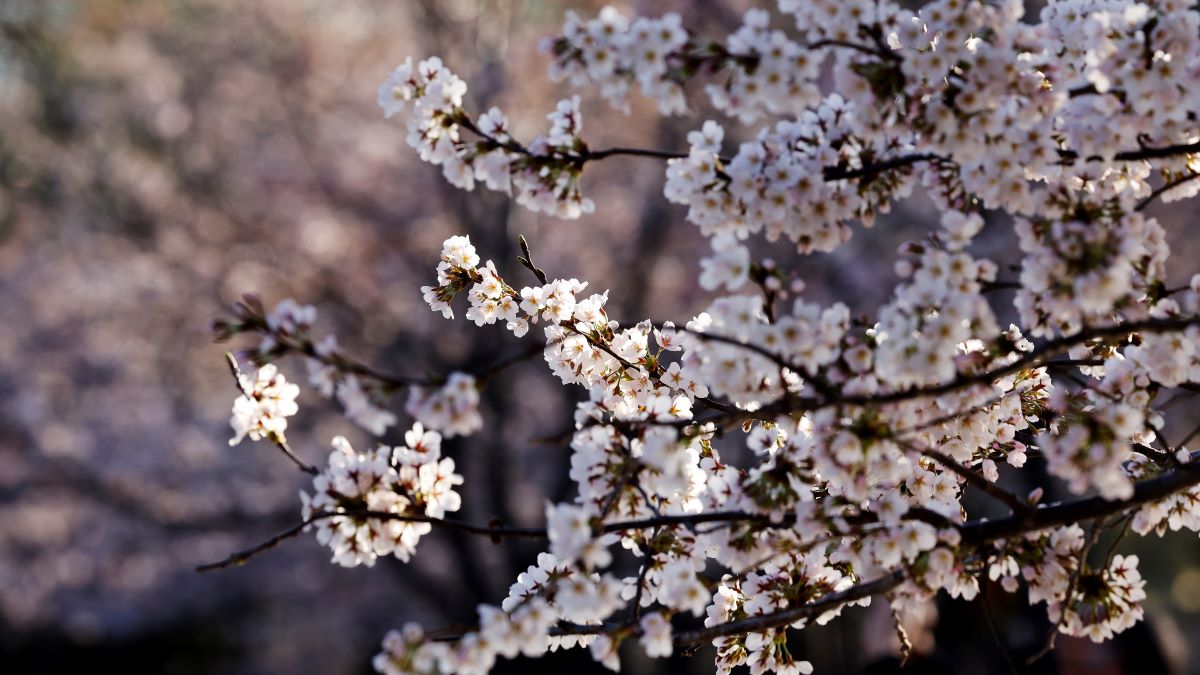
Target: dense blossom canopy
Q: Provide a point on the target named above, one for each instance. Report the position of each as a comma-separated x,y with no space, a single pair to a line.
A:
860,435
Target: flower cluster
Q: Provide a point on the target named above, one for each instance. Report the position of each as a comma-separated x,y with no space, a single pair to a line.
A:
364,503
1091,449
1177,512
776,586
1077,270
623,371
612,52
544,176
545,594
266,400
784,182
452,407
829,457
923,333
288,329
1106,601
1046,560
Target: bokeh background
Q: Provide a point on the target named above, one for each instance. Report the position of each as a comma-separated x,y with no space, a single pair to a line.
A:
158,158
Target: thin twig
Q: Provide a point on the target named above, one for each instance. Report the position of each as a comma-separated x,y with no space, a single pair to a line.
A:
1112,548
1019,506
641,585
493,531
526,259
279,441
1048,647
756,624
242,556
995,628
1170,185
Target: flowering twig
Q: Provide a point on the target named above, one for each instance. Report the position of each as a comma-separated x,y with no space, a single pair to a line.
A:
997,634
276,438
1020,507
792,614
1083,508
1165,187
1072,585
1038,357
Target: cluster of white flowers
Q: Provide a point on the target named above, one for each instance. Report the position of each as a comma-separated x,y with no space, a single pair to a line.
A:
611,52
543,175
1106,601
359,405
405,481
1179,511
625,377
773,587
266,400
925,330
765,71
546,594
1096,603
946,571
1078,270
777,184
1093,451
807,339
1003,101
729,266
777,75
452,408
288,328
1046,560
1133,56
818,468
831,452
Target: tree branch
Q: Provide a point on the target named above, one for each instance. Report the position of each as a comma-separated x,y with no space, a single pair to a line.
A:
790,615
1075,510
1166,187
1019,507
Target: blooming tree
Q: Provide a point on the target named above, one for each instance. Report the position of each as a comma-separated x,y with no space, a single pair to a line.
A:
773,461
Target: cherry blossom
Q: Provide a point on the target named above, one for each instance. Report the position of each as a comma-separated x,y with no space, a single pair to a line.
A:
772,460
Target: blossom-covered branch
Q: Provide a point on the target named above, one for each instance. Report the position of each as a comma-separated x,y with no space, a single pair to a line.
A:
811,459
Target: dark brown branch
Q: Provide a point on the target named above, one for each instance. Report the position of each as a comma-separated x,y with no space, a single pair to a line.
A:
1019,507
497,531
1149,152
790,615
1075,510
1170,185
865,49
348,365
493,531
832,173
1036,358
242,556
589,155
